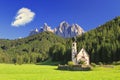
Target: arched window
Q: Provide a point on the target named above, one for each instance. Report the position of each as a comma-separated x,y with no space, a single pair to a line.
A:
73,44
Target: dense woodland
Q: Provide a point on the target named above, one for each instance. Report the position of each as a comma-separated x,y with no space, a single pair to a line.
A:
32,49
102,44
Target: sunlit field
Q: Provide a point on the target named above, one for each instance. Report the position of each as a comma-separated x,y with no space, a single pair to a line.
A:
45,72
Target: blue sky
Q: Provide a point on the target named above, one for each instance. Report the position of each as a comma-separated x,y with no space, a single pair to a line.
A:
87,13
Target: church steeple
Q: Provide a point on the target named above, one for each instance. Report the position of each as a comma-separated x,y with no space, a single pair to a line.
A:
74,51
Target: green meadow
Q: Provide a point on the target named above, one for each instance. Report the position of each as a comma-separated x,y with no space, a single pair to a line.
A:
47,72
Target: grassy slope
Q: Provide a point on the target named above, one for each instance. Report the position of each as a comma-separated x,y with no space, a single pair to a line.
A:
43,72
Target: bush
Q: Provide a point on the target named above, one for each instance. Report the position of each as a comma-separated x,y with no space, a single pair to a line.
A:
100,63
70,63
93,64
74,68
116,63
81,62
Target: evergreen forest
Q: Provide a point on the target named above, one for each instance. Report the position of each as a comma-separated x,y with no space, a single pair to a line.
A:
102,45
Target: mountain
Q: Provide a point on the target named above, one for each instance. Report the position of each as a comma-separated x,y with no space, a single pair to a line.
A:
43,29
33,32
64,30
102,45
46,28
67,31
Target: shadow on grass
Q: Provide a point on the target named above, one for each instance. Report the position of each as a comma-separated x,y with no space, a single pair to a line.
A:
49,62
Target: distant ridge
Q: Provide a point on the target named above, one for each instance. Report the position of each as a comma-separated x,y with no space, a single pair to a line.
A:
64,30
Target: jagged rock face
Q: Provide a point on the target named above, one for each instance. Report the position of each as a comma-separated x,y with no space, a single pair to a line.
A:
33,32
64,30
67,31
76,30
42,29
46,28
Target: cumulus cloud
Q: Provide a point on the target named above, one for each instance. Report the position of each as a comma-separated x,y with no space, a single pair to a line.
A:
24,16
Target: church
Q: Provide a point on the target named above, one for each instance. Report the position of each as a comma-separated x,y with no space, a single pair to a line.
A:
79,56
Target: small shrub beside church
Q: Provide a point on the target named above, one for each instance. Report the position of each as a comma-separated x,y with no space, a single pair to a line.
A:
70,63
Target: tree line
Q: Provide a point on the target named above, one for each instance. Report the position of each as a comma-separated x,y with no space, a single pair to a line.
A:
102,44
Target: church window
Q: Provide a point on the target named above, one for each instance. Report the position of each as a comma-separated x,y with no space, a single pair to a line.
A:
73,44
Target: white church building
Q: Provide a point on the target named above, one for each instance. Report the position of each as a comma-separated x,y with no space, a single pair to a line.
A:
79,56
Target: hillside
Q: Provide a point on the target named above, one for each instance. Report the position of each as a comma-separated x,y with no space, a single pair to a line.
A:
102,44
31,49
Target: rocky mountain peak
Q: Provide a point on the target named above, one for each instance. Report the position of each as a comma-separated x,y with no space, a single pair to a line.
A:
35,31
64,30
47,28
64,24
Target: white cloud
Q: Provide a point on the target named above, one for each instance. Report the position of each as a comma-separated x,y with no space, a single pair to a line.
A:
24,16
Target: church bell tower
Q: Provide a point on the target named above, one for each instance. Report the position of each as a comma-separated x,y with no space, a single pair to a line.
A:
74,52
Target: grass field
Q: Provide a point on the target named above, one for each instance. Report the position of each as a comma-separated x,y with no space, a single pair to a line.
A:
45,72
